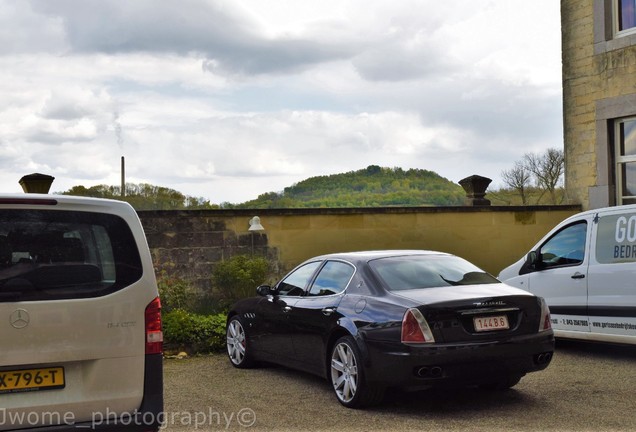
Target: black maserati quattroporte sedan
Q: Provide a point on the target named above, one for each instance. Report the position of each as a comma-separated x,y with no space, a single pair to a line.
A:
367,321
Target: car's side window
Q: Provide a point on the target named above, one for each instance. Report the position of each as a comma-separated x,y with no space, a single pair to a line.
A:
332,279
566,247
296,282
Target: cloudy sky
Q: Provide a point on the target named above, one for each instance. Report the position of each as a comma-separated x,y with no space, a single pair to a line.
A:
229,99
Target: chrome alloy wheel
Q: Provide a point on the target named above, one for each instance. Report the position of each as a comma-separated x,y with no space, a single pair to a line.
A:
236,342
344,372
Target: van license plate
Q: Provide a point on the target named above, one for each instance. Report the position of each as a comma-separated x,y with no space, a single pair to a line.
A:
23,380
491,323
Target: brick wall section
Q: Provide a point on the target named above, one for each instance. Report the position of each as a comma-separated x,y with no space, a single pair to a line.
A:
190,243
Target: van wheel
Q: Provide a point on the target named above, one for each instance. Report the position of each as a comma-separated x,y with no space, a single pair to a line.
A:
237,344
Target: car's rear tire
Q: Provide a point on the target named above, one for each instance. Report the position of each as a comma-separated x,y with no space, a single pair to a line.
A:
347,376
237,344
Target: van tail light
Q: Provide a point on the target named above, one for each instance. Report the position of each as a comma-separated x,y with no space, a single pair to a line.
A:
545,323
154,334
415,329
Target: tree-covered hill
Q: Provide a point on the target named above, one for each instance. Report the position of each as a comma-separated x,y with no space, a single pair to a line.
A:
373,186
143,196
370,187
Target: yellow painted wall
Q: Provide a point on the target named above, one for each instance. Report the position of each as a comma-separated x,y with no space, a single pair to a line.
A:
190,243
490,239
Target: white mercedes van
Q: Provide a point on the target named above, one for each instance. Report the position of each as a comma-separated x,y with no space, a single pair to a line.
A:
585,268
80,321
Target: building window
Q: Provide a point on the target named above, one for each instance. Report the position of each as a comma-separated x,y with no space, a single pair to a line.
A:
625,152
625,21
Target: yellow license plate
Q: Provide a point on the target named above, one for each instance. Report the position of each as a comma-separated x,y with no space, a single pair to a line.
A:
14,381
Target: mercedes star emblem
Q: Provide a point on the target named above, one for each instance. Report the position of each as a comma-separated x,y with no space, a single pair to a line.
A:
19,318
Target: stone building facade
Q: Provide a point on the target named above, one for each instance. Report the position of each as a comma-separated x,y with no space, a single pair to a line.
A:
599,94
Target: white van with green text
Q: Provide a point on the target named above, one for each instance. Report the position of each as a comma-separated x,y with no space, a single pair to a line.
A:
585,268
80,320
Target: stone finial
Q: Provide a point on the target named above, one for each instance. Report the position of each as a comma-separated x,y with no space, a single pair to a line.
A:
475,187
36,183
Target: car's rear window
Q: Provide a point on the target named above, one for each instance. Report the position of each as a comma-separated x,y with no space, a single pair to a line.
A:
428,271
51,254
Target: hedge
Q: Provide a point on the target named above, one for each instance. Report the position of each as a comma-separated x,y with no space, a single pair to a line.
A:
194,333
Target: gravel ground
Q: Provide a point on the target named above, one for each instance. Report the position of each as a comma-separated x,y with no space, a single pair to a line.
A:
586,388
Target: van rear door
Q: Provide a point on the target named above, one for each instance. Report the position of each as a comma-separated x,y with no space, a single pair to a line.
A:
73,295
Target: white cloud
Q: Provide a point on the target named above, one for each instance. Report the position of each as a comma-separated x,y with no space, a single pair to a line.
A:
228,100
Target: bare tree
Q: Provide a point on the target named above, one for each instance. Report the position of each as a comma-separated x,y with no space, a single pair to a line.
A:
546,169
518,178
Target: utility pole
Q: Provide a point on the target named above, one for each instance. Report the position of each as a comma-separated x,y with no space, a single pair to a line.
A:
123,177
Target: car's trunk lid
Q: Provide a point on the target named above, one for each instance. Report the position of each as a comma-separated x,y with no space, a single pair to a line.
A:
476,312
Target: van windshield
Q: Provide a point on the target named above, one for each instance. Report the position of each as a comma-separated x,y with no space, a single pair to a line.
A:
49,255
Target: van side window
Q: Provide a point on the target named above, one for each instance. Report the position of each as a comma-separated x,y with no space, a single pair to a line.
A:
616,239
566,247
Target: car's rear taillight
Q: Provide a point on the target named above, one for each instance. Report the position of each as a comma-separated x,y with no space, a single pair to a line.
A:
544,323
154,334
415,329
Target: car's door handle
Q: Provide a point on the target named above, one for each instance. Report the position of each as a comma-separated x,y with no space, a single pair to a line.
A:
287,309
578,275
328,311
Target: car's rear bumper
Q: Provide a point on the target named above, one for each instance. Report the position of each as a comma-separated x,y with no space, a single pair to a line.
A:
404,366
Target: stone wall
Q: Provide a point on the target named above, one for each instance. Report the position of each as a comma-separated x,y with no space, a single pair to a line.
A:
598,87
580,90
189,243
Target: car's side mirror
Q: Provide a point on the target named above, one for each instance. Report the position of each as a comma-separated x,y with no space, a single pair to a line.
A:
264,290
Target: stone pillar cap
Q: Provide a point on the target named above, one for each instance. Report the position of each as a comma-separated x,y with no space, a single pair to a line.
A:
475,187
36,183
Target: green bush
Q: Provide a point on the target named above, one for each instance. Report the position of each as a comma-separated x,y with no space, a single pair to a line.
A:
238,277
175,293
192,332
186,330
